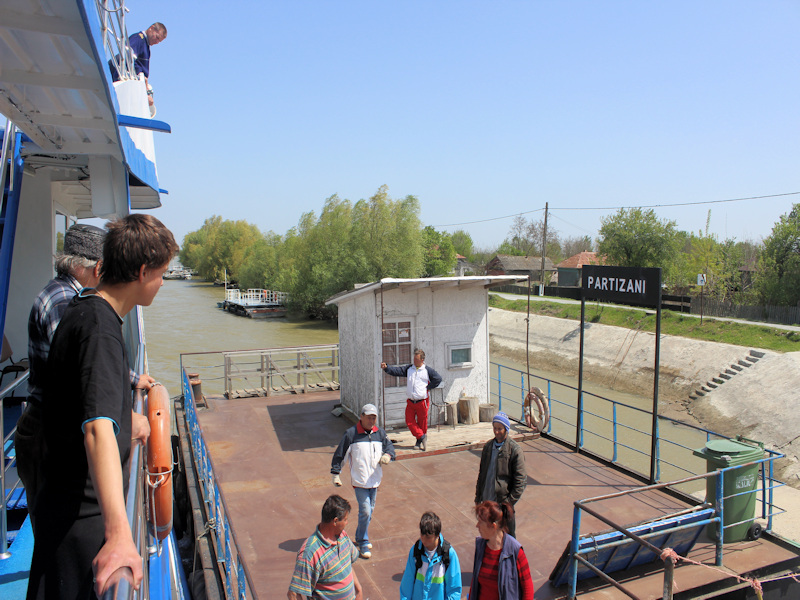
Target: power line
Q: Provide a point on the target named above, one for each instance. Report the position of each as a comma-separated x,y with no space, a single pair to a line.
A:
621,207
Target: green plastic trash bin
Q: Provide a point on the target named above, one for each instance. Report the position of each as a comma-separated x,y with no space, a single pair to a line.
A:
720,454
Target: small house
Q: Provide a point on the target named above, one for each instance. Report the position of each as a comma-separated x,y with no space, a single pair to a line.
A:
569,270
387,320
464,267
523,266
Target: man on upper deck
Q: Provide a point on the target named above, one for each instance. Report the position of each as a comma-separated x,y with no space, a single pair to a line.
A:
140,44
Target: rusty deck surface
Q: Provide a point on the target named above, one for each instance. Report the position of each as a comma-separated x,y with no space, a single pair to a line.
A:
272,458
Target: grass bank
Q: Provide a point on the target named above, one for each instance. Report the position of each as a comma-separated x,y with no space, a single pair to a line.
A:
672,323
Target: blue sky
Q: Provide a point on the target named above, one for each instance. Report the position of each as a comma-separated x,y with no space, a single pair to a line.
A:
480,109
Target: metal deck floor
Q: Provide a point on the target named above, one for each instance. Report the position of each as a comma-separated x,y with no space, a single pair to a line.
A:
272,458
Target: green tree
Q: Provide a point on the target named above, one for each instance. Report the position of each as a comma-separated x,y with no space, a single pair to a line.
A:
778,277
259,268
462,242
387,236
635,237
219,246
440,254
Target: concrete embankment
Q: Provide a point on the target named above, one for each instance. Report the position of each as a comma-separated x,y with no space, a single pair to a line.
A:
726,388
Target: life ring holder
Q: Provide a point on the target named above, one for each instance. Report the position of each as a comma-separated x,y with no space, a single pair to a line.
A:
159,462
536,397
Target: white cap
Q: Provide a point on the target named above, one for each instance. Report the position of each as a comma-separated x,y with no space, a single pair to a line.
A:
369,409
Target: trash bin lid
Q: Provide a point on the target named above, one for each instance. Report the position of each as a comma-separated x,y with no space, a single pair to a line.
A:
731,452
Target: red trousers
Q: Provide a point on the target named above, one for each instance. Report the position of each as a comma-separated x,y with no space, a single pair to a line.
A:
417,417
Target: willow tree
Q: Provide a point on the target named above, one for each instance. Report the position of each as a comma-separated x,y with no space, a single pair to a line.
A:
218,247
386,236
778,277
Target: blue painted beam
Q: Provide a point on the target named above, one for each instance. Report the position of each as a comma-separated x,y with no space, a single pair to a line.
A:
140,123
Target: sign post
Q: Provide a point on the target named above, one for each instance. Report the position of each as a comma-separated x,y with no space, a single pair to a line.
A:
701,281
626,285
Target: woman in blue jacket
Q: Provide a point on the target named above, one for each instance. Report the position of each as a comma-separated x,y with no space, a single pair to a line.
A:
432,571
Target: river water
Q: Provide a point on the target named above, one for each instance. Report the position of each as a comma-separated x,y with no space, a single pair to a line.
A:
184,318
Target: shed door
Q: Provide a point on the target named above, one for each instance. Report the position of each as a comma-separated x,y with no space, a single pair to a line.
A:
397,350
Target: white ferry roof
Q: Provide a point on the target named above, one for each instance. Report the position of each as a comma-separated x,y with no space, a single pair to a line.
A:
407,285
55,86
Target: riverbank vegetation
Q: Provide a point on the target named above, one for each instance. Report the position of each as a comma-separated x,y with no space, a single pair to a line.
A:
360,242
348,243
672,323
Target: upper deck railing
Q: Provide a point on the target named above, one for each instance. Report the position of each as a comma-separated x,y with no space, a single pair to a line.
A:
254,297
115,36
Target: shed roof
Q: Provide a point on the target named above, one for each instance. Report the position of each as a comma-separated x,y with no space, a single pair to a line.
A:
407,285
523,263
578,260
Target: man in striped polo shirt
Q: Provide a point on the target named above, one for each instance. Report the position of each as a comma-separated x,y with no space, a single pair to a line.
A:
324,567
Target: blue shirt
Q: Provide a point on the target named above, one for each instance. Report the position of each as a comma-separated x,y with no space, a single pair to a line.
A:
141,53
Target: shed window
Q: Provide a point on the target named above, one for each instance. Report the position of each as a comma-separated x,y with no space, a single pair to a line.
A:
459,356
396,350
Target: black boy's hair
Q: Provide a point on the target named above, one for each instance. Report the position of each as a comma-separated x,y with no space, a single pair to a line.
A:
430,524
335,507
134,241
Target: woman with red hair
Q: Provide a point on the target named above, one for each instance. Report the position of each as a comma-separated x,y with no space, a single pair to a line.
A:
500,570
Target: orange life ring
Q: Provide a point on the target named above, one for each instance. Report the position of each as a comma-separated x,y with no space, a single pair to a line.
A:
159,461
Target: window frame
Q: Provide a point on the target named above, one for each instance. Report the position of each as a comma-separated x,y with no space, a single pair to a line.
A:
451,346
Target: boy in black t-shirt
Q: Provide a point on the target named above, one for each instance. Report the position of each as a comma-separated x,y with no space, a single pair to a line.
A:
82,526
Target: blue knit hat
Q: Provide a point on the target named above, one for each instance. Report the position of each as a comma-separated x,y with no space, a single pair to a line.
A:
502,418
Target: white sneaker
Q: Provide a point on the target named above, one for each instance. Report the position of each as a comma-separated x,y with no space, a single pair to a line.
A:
368,545
365,554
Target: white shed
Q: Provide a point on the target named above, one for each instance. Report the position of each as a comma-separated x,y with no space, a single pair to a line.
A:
447,317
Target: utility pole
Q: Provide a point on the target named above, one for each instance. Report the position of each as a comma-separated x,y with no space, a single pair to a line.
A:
544,248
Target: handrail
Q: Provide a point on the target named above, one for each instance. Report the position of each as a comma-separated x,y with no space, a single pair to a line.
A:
308,366
134,501
11,387
115,36
237,580
718,504
614,422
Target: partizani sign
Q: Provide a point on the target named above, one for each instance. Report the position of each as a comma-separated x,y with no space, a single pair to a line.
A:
634,285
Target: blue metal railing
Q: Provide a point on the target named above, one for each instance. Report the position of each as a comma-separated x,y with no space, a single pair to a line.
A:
235,574
611,418
718,502
615,424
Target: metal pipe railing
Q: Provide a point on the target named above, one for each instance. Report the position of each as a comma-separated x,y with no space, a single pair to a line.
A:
719,518
115,36
234,571
9,389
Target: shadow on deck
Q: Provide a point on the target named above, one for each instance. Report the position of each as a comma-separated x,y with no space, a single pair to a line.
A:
272,458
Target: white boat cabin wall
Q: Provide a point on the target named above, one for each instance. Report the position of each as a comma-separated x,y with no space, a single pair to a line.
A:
446,317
